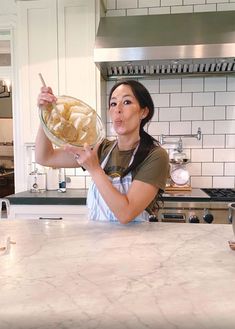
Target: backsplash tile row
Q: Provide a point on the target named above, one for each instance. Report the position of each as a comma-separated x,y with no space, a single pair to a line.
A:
158,7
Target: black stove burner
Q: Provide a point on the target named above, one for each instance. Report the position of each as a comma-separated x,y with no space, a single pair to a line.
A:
220,194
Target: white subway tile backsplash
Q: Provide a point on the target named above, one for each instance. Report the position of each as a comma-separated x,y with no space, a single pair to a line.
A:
70,171
215,84
171,2
191,113
230,141
214,112
207,127
203,99
225,6
113,13
136,12
230,112
181,99
158,128
204,8
159,10
194,2
110,4
213,141
149,3
192,84
192,143
88,182
161,100
195,169
227,155
76,182
225,98
231,83
212,169
181,9
126,4
230,169
225,127
223,182
81,172
166,113
180,128
155,114
170,85
151,85
201,182
202,155
217,1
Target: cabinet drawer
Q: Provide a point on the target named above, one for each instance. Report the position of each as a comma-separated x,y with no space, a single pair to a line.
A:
48,212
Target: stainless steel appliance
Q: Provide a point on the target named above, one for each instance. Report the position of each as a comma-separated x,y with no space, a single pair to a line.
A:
202,45
207,205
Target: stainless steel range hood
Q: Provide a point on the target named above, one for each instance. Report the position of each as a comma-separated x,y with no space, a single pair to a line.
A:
166,45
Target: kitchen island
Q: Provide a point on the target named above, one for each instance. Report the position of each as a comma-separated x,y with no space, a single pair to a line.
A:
83,274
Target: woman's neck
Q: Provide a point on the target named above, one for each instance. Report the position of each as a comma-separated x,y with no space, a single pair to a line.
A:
125,144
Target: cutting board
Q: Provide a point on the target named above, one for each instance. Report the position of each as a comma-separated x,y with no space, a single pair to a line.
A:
178,188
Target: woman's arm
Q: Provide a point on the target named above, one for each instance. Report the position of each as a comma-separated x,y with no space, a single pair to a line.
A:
124,206
45,153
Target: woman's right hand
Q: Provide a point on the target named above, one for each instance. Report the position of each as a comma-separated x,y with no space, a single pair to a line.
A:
46,97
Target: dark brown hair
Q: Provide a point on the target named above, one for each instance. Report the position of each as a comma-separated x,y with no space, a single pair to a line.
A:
147,142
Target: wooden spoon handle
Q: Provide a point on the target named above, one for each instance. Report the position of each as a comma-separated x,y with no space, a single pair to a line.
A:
42,80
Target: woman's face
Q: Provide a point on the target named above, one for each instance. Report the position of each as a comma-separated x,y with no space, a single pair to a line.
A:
125,111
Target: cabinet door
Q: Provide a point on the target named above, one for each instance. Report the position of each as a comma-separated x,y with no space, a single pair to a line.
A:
37,53
76,37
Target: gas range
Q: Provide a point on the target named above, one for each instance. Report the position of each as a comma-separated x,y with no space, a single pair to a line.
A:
206,205
220,194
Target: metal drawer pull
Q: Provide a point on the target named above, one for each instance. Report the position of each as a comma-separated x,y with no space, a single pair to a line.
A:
51,218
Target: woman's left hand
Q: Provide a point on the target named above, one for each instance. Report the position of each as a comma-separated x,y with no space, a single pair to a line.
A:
85,156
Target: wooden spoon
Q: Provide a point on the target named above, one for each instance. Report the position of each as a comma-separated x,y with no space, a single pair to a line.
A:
66,129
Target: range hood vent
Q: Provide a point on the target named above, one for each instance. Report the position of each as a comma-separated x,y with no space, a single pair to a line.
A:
166,45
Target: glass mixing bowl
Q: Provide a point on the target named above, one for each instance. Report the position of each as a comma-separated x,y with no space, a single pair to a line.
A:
71,121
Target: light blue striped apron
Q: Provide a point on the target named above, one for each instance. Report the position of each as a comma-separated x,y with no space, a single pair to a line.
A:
98,209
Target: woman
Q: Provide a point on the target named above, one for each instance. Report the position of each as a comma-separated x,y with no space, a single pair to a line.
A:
128,174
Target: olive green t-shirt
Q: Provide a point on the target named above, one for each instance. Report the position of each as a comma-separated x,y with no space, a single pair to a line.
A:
153,170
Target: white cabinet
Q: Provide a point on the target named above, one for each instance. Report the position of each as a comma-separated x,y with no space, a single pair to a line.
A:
56,38
47,212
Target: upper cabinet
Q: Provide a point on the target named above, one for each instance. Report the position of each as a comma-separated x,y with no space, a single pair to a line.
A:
56,38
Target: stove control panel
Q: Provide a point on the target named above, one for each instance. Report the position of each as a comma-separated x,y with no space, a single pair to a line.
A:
173,217
187,216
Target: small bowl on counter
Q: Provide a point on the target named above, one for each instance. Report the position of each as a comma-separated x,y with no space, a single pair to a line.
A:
71,121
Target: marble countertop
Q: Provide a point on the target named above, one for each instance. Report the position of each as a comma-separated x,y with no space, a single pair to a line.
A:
97,275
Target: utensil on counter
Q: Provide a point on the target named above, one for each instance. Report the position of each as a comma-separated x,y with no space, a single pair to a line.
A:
66,129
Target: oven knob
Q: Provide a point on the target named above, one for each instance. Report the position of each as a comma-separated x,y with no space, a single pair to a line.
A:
208,218
193,219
